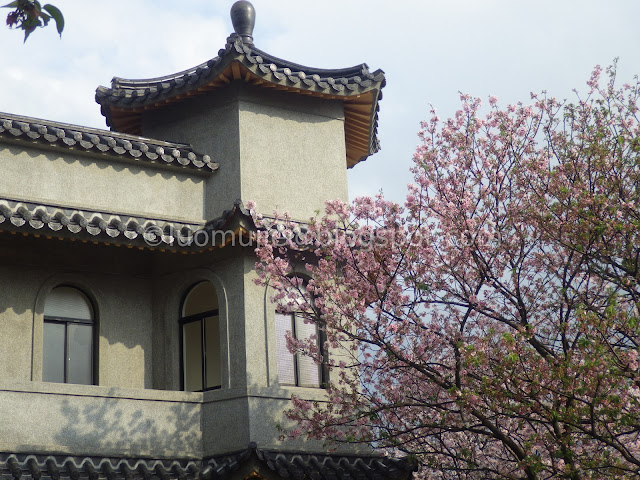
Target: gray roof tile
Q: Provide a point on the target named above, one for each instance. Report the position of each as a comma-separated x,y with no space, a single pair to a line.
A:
85,139
291,465
117,228
126,94
92,225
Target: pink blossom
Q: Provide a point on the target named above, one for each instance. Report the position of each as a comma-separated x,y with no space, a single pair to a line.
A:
488,326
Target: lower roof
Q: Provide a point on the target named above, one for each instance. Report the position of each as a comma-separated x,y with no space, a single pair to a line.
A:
247,463
63,222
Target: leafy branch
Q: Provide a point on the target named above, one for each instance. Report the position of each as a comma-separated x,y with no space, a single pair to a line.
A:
28,15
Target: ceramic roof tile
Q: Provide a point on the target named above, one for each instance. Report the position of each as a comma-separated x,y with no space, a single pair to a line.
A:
292,465
115,228
331,81
92,225
345,83
238,210
315,466
61,135
57,467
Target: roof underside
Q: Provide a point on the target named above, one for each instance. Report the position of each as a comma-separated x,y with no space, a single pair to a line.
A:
356,87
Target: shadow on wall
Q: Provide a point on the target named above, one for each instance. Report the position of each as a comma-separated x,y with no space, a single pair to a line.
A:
177,425
111,426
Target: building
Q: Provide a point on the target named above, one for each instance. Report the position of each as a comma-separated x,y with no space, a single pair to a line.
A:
135,343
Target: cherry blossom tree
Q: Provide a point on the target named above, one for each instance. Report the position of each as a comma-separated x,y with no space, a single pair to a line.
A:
489,327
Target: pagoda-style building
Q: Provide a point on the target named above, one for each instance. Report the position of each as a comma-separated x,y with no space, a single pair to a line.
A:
135,343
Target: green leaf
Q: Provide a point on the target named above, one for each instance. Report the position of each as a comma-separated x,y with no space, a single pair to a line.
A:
27,32
56,14
11,5
45,18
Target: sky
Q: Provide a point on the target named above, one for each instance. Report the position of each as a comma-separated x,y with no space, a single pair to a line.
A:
430,51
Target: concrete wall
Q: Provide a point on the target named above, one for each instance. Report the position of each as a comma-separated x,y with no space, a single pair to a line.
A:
137,297
211,124
102,421
284,151
292,152
252,414
100,183
110,421
123,320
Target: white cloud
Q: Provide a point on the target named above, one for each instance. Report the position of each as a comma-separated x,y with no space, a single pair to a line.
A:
429,50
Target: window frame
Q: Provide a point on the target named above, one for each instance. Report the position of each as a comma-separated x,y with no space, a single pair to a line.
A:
322,370
66,322
197,317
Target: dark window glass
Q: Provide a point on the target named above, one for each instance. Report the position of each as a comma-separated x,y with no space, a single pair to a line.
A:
192,345
200,330
212,342
53,362
80,353
67,355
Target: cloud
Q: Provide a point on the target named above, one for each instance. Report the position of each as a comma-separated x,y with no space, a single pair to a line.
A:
429,50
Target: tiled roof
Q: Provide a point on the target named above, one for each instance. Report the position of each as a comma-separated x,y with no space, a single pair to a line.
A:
344,82
105,142
335,467
113,228
57,467
92,225
357,87
224,221
280,464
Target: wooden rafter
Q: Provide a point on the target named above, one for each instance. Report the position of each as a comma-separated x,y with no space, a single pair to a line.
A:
235,69
358,120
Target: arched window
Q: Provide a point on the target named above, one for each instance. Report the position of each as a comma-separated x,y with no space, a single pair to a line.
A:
68,337
200,339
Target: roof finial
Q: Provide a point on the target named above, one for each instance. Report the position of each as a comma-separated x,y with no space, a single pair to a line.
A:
243,17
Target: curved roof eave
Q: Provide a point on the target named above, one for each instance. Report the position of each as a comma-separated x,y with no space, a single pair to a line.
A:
132,93
356,86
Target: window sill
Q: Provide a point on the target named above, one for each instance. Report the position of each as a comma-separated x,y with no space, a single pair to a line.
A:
50,388
277,392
